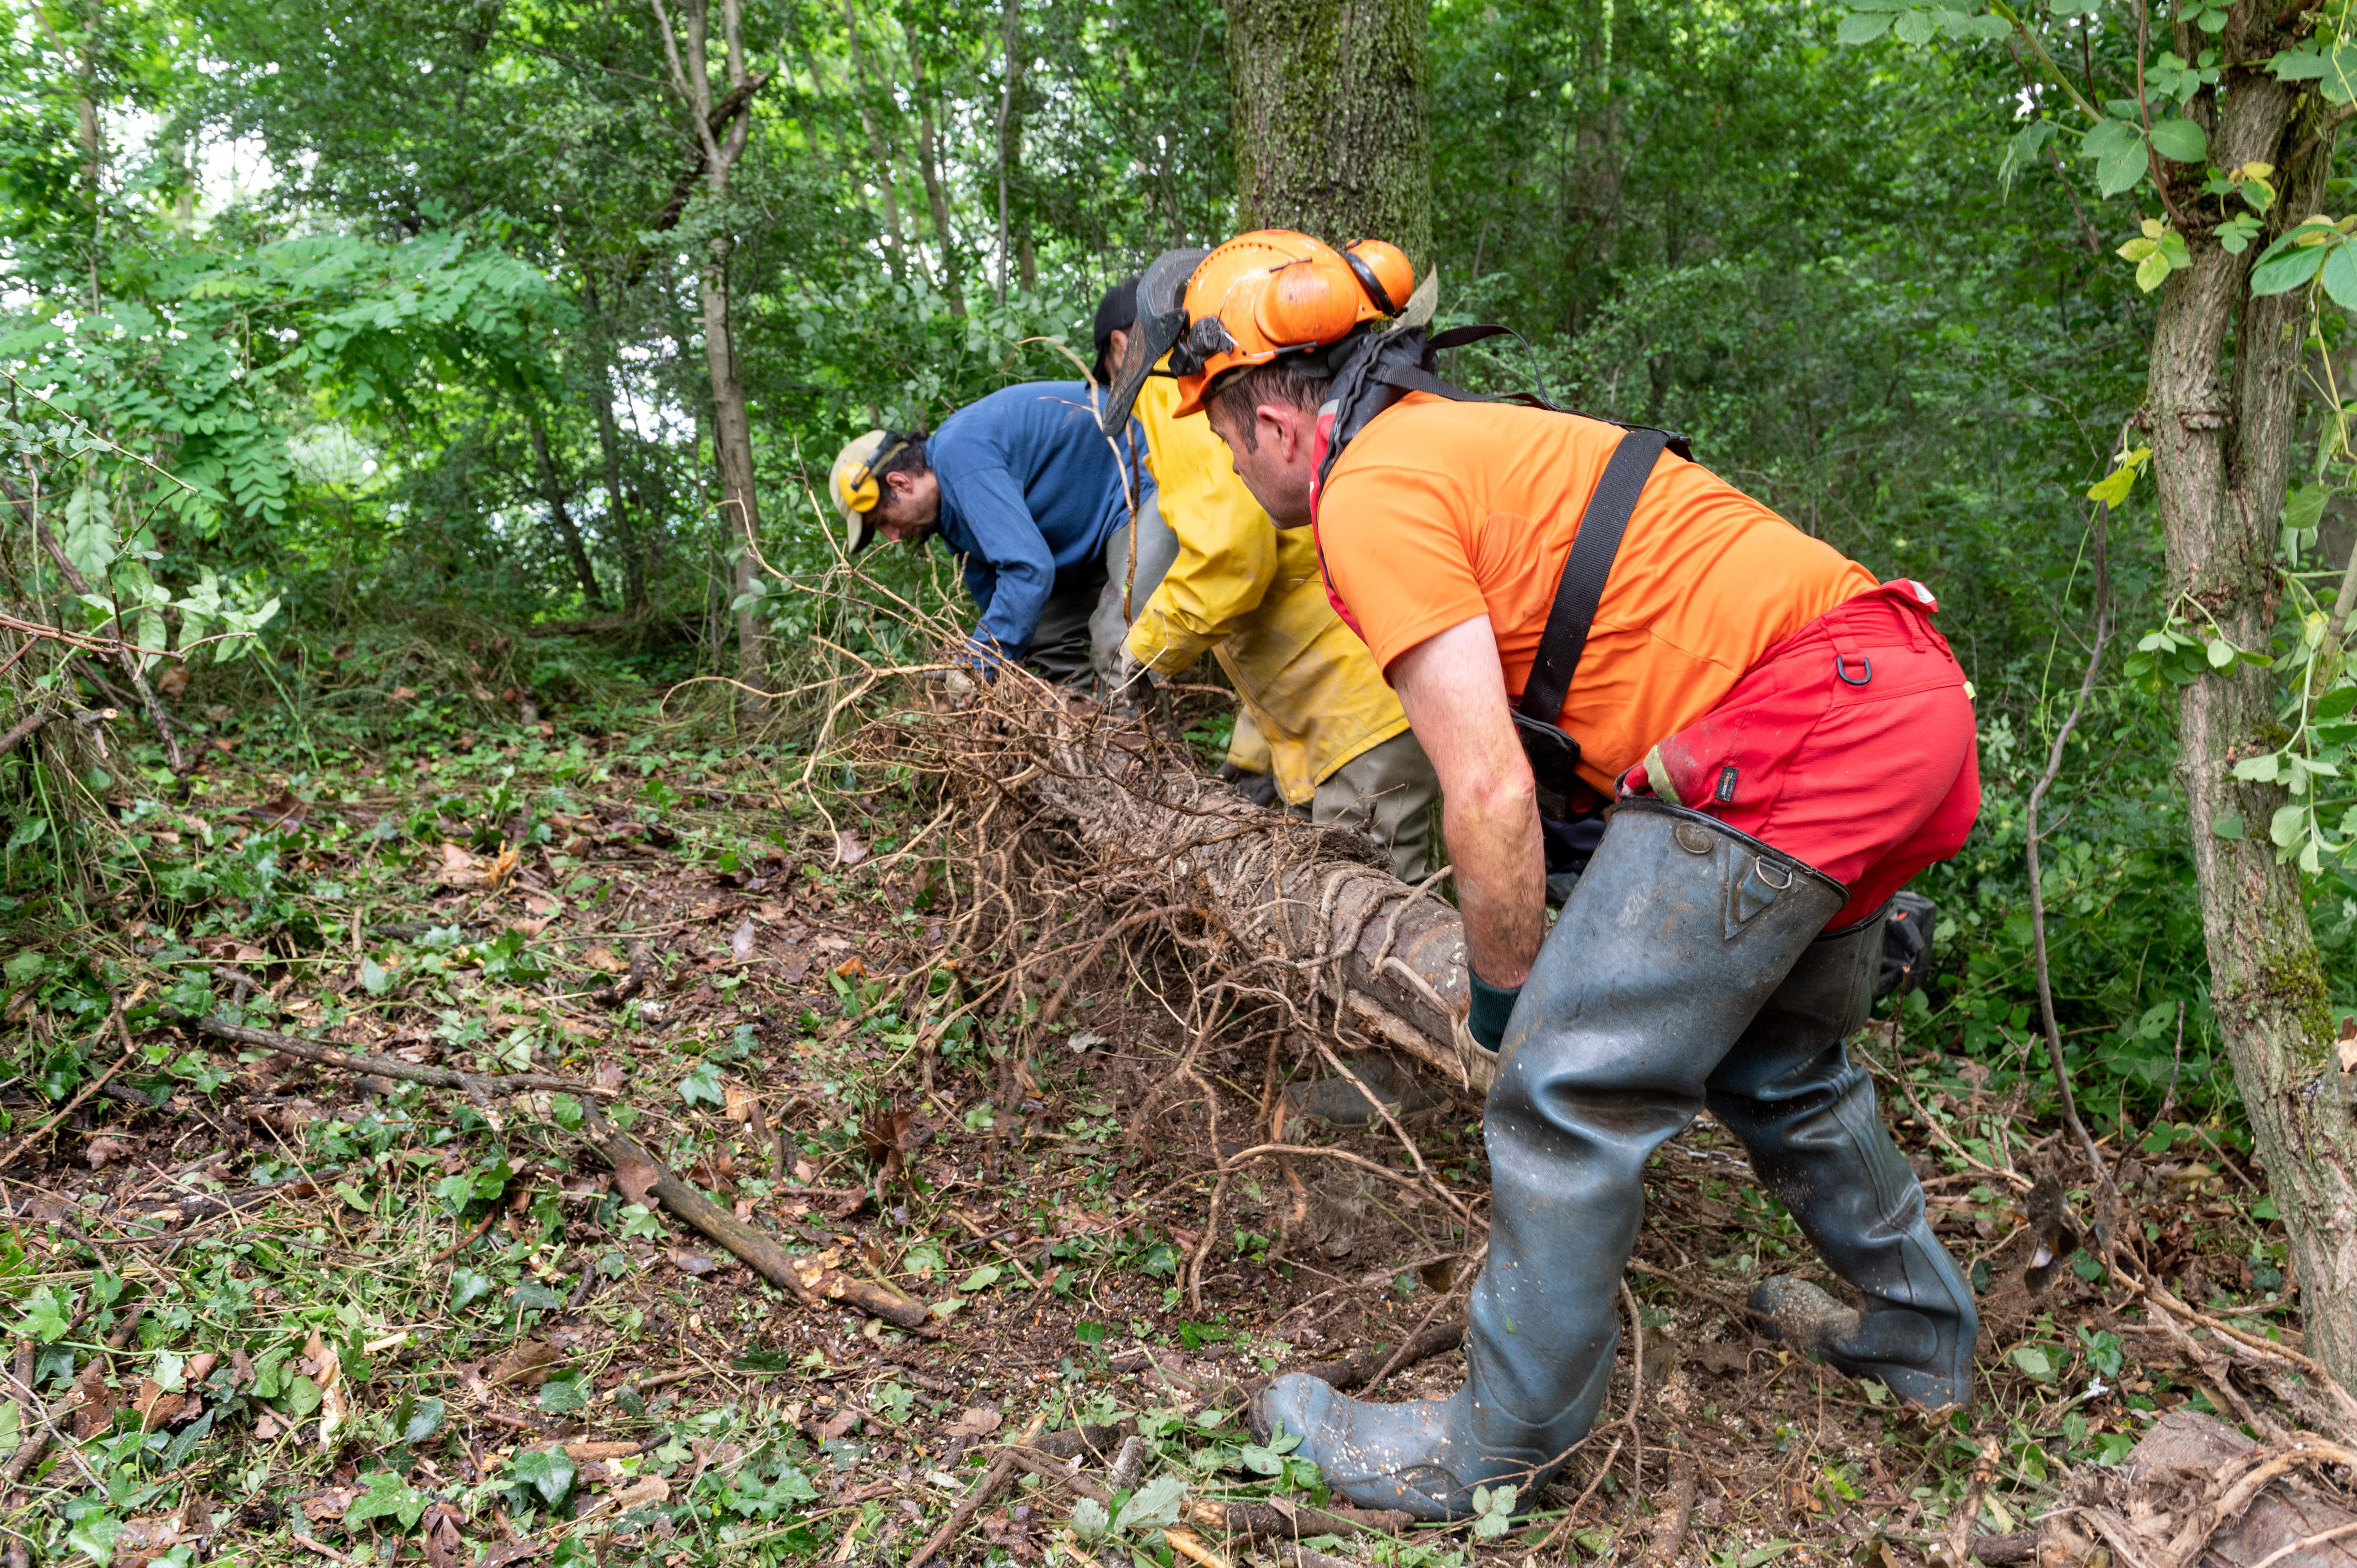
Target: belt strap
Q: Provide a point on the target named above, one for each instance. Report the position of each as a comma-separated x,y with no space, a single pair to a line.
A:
1581,587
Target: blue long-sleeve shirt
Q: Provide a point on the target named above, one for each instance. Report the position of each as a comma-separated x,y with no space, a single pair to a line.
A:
1029,493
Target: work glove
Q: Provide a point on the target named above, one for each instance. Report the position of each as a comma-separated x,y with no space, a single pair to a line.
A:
1493,1006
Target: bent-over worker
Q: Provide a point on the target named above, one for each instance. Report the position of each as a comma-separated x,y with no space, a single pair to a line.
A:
1213,573
1026,491
1788,740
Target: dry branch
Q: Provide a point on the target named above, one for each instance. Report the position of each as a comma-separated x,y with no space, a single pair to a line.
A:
809,1281
473,1083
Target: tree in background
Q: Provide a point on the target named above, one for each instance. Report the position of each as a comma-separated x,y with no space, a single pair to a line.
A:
2229,117
1333,126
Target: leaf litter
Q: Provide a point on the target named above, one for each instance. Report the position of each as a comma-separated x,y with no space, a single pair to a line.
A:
266,1301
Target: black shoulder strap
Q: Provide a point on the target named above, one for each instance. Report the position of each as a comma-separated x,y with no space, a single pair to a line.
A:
1581,587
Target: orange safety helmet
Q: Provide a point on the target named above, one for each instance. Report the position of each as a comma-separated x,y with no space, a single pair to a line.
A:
1259,297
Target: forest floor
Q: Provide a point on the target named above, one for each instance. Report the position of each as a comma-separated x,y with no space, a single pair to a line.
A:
270,1311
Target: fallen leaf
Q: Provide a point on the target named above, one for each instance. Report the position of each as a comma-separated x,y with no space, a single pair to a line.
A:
2348,1044
155,1407
504,867
458,868
602,957
329,1376
531,928
740,942
96,1407
543,905
835,1425
739,1106
526,1365
141,1541
851,968
169,685
282,808
848,850
888,1140
328,1505
101,1149
689,1263
636,1179
404,694
979,1420
640,1493
200,1366
439,1534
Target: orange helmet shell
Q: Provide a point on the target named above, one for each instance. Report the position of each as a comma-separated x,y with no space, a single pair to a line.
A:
1274,292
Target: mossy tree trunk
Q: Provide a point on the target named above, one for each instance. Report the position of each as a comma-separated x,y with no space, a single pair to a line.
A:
1332,127
2219,413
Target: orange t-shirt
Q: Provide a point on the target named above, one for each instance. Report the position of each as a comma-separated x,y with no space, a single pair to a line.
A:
1439,511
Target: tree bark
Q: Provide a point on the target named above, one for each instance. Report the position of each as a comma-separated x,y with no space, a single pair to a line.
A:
552,492
732,424
1010,127
929,167
1333,129
2222,436
609,452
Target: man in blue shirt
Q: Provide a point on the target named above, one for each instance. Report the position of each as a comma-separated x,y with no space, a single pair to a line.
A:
1027,493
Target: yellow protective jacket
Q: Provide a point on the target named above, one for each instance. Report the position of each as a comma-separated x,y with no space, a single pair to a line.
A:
1252,593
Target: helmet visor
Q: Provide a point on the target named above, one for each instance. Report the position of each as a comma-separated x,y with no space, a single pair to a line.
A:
1161,317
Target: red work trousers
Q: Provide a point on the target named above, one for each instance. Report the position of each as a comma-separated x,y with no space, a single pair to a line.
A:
1849,746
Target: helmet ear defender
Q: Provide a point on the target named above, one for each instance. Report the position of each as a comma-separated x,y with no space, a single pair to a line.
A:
1307,302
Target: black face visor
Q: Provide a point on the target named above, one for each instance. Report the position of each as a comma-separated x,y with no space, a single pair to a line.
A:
1161,318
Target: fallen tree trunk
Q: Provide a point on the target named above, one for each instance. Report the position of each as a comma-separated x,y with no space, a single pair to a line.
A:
1389,959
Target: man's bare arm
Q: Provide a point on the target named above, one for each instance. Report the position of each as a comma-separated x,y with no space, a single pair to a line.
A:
1455,695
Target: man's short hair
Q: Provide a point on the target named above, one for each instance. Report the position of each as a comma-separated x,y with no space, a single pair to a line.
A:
1241,391
910,460
1117,312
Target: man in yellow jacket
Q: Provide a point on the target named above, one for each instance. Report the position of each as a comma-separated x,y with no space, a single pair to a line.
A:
1317,728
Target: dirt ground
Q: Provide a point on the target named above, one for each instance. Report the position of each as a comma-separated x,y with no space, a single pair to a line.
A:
270,1311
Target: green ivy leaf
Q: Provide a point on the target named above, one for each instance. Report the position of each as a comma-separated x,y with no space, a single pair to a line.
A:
546,1471
1154,1506
93,1535
388,1496
703,1084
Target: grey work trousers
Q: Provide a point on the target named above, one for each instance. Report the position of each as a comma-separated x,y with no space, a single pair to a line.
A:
1157,547
1387,792
1073,645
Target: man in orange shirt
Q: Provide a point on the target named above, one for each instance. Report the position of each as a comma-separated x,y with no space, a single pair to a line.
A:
1784,742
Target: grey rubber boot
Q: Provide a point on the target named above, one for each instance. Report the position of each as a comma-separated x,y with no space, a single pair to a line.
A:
1677,933
1806,1113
